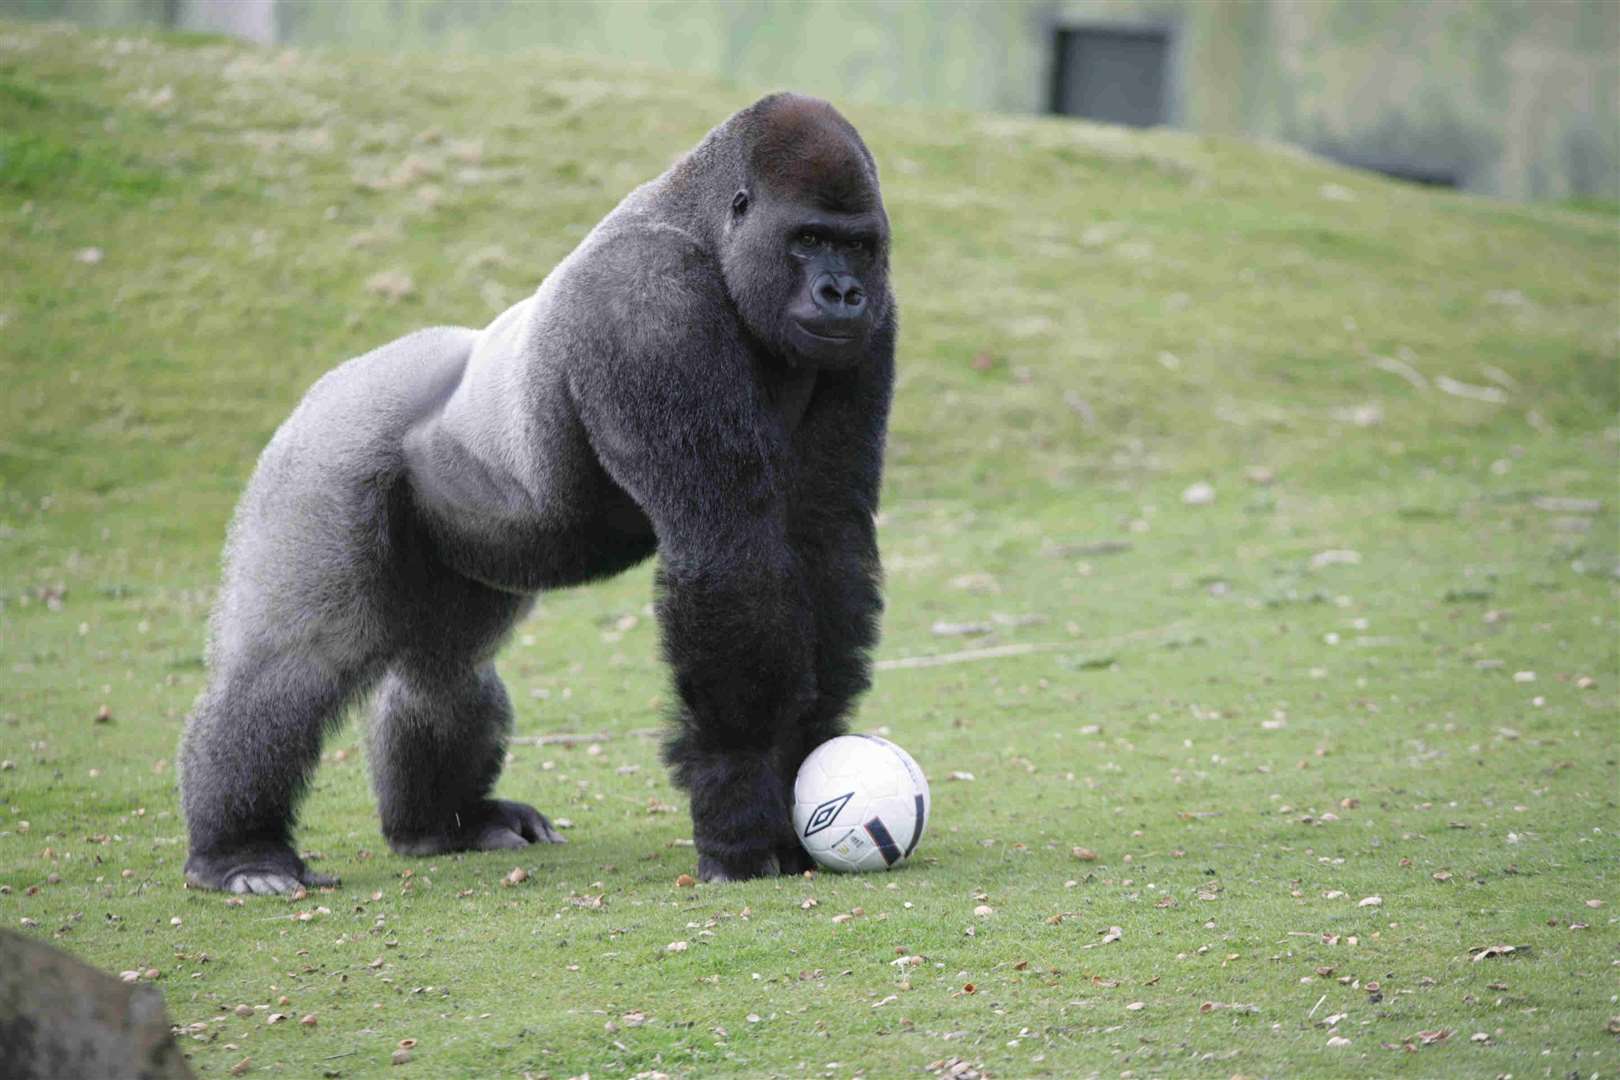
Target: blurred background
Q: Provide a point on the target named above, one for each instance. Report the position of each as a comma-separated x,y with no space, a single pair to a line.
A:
1514,98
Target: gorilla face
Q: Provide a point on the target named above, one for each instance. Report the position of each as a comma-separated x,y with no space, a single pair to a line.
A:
830,315
808,269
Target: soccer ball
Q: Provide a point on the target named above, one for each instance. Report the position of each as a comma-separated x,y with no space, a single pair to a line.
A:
859,803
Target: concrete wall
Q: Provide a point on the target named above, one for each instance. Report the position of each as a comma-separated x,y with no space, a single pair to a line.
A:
1519,98
1514,97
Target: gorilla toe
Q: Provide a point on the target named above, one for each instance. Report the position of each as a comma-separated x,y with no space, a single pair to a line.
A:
527,822
499,838
492,825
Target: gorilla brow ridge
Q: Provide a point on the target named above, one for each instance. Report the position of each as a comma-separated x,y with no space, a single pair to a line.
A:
802,148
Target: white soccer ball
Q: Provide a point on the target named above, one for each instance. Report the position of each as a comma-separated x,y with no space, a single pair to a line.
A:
859,803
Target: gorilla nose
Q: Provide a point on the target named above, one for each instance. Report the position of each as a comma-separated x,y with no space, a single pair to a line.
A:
839,295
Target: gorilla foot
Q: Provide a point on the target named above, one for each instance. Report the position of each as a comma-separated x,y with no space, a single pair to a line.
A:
261,872
491,825
715,869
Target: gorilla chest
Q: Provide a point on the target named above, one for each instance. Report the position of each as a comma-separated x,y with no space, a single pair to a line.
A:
789,398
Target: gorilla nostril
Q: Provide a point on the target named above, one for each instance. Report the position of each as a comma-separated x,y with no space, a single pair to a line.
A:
829,293
854,297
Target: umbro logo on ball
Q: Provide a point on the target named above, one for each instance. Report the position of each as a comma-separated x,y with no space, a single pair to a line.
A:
825,814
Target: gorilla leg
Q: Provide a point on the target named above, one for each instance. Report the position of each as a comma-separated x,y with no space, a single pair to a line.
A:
248,752
437,745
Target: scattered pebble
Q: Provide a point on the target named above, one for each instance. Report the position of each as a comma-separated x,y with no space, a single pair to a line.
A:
1199,494
393,285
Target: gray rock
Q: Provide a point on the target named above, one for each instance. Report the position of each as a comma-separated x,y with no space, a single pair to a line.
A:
60,1017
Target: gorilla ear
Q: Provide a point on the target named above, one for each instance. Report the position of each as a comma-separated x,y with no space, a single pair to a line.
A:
739,204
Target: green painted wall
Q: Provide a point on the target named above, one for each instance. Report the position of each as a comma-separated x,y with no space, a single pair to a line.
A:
1519,98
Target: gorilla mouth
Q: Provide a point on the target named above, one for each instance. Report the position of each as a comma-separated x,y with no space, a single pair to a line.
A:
841,339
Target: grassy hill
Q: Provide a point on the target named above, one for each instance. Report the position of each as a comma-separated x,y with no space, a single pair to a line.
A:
1379,660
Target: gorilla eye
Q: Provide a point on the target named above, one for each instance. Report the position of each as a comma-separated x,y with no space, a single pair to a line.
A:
808,240
739,204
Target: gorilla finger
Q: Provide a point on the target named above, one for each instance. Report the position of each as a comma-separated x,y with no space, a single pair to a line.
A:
549,834
712,870
238,884
320,881
793,859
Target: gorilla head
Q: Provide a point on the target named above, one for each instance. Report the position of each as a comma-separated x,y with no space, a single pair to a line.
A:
805,244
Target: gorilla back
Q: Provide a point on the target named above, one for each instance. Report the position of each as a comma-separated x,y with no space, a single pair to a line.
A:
706,376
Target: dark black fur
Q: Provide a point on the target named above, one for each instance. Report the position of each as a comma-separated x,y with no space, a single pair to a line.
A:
708,375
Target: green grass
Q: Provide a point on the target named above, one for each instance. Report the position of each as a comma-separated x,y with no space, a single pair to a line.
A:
1251,738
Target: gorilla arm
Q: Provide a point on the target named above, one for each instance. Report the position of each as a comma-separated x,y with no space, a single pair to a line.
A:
839,450
501,475
676,412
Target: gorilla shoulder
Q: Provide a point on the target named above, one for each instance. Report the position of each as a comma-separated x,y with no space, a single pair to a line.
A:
649,287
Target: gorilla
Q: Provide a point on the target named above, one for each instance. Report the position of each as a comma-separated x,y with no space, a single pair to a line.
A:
706,377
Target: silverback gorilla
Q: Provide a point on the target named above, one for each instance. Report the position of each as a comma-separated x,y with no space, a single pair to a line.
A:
707,376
